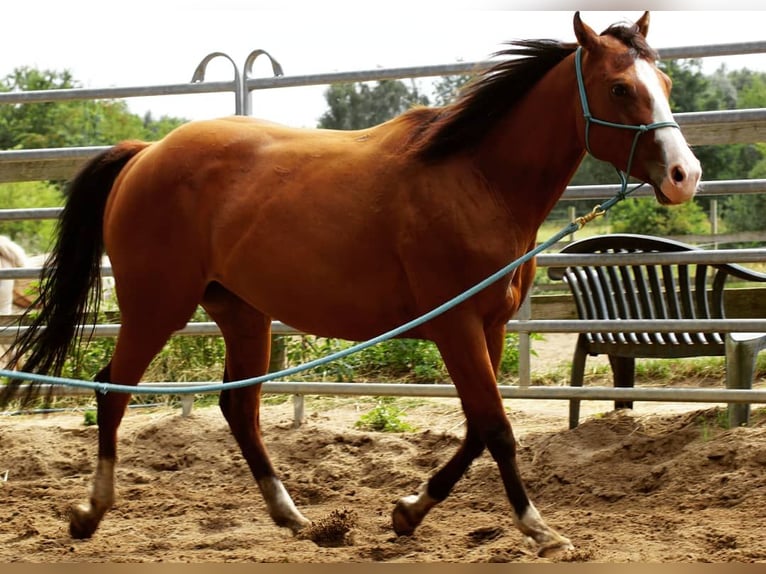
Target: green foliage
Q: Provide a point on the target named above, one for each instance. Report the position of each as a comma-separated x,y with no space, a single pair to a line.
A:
509,364
645,215
412,360
447,88
385,417
90,418
360,105
89,359
69,123
35,236
745,212
690,86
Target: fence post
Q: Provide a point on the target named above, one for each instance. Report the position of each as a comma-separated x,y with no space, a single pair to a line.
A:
525,370
298,410
278,362
572,216
187,402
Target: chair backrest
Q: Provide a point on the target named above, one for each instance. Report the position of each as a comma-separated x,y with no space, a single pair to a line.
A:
668,291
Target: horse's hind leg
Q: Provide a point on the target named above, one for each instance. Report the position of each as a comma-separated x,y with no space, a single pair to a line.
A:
144,332
134,350
247,334
84,518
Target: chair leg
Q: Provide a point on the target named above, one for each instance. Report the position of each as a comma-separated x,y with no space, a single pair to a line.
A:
741,358
576,380
624,372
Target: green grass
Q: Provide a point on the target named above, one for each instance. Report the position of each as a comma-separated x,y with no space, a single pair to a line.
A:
711,422
385,417
90,418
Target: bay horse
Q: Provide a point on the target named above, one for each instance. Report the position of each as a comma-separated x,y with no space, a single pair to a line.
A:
348,234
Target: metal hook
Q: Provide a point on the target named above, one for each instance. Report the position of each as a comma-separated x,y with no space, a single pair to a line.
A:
199,76
276,69
585,219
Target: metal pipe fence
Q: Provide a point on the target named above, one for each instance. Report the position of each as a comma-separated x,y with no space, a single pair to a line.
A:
728,126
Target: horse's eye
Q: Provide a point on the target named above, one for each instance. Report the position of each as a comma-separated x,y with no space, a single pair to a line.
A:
619,90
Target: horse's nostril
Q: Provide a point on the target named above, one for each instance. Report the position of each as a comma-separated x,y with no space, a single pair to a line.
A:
678,174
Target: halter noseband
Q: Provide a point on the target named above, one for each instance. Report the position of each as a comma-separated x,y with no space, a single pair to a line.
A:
589,119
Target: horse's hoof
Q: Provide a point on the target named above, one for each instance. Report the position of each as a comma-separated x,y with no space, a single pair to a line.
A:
81,522
555,547
296,526
403,521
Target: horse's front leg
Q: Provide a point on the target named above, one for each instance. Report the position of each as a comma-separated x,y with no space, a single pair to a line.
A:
410,511
473,372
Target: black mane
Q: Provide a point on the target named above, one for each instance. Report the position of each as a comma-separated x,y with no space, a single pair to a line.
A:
465,122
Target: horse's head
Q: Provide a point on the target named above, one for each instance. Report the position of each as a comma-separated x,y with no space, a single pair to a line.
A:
622,85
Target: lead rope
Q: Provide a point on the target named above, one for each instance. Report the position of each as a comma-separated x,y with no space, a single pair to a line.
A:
598,211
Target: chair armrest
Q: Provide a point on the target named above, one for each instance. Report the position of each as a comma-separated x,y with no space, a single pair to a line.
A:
741,272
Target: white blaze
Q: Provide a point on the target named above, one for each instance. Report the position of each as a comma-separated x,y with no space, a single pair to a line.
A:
682,168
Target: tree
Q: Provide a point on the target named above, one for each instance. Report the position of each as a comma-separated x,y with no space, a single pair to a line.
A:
69,123
745,212
447,88
361,105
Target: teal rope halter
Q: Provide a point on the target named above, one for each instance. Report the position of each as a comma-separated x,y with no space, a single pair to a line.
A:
568,230
589,119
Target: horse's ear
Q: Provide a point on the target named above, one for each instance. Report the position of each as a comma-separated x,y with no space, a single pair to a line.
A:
584,33
643,24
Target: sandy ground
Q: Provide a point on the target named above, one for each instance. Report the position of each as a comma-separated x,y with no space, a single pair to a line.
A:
664,483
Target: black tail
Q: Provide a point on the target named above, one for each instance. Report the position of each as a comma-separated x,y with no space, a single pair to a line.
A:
70,285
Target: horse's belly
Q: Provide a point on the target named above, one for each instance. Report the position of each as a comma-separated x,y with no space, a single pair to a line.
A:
346,306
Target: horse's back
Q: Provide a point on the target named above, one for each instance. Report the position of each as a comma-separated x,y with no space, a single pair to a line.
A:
273,213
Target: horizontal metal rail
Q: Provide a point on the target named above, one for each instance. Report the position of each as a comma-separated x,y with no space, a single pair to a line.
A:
707,188
207,328
74,94
718,256
666,394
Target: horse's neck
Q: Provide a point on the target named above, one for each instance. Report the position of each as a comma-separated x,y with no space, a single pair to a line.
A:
535,150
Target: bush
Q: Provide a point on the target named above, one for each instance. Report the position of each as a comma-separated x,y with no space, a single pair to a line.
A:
385,417
645,215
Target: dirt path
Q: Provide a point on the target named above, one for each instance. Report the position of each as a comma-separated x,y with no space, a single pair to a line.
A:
624,487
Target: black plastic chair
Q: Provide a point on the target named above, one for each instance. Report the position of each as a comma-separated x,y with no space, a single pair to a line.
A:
668,291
